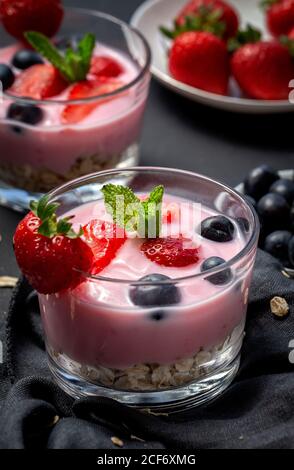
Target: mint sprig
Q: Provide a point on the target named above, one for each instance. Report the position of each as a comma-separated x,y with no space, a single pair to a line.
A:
50,226
74,64
128,211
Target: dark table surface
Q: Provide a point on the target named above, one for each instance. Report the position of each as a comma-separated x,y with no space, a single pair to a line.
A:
181,134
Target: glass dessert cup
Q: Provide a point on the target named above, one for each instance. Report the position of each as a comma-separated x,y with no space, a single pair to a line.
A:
37,158
167,357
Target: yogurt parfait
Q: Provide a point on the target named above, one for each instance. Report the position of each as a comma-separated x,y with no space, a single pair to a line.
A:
143,292
73,103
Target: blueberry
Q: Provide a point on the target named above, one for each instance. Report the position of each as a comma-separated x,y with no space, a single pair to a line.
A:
218,229
26,113
243,224
220,278
158,315
274,211
285,188
155,294
291,251
251,200
6,76
25,58
259,181
276,243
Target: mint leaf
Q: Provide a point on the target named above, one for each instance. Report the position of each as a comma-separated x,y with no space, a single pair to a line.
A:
128,211
74,65
42,44
86,48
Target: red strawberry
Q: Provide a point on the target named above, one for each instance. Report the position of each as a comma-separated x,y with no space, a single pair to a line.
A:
291,34
200,59
105,239
228,15
75,113
19,16
105,67
279,16
38,82
263,70
50,262
172,252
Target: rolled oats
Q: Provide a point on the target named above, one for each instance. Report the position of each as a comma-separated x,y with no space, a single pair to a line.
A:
279,306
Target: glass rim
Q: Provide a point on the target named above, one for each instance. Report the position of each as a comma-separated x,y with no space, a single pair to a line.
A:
145,69
228,264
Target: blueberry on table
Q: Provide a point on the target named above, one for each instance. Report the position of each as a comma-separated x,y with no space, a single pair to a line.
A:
223,277
259,181
285,188
26,113
152,295
291,251
276,243
25,58
218,229
6,76
274,211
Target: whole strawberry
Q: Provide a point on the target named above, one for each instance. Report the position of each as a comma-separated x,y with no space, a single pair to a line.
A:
279,16
49,253
263,70
19,16
200,59
225,13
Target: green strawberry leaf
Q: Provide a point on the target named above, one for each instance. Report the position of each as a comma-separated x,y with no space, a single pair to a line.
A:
248,35
50,226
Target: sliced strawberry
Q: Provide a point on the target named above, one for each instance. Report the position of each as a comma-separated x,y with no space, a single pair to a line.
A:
75,113
171,252
105,239
105,67
38,82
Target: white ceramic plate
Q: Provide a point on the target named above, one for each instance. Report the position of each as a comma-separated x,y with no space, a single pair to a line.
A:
153,13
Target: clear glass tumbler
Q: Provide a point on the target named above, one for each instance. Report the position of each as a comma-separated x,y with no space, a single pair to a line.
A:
167,356
36,158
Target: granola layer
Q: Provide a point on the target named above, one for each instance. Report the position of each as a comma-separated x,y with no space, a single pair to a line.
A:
42,179
148,377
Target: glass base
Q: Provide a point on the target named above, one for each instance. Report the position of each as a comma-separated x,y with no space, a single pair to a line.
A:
19,199
173,400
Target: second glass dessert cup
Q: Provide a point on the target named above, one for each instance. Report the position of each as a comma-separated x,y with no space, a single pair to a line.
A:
36,158
166,357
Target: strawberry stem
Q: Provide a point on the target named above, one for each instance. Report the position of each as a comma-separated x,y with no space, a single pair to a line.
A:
206,19
50,226
289,43
248,35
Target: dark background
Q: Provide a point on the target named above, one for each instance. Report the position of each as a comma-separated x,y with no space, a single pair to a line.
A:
179,133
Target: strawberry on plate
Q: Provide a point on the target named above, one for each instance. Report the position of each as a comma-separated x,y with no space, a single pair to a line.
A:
104,239
49,253
171,252
38,82
263,70
102,66
227,14
200,59
19,16
74,113
279,16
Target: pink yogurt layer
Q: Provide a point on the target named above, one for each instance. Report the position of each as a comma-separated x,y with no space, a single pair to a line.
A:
97,324
109,130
